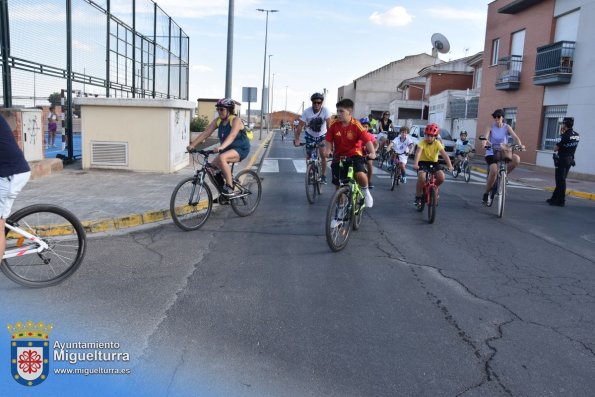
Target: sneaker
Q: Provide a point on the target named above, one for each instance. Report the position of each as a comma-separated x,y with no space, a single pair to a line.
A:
323,179
486,199
370,186
227,190
403,179
335,223
417,201
368,199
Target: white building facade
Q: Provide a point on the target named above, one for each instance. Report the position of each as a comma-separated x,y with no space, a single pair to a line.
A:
573,28
373,92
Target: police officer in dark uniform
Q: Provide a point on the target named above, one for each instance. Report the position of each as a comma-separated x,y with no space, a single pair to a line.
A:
563,160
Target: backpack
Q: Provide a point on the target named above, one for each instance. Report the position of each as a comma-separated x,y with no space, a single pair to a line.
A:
248,132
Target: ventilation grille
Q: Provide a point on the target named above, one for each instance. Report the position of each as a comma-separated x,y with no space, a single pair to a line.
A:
109,153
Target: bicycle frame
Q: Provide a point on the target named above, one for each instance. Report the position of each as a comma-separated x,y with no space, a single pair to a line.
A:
209,169
353,187
14,252
430,183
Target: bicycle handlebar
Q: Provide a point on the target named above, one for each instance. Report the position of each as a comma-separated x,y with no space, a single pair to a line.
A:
205,153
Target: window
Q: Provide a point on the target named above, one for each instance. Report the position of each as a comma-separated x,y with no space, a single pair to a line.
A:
510,117
477,78
552,120
495,49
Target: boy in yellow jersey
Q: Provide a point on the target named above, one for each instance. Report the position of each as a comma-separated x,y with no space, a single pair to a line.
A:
427,154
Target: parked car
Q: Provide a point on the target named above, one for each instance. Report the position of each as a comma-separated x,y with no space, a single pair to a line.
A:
417,133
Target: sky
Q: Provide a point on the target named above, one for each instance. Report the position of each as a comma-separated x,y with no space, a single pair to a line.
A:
316,44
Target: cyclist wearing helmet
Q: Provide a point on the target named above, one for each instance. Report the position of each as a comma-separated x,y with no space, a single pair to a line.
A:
461,147
427,154
365,122
496,134
234,144
316,120
401,146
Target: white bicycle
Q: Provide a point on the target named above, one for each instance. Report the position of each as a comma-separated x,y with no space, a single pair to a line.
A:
45,244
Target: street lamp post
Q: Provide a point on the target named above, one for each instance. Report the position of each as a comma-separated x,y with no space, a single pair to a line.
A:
264,68
269,107
272,92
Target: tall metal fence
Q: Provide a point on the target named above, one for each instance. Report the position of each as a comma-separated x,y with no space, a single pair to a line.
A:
104,48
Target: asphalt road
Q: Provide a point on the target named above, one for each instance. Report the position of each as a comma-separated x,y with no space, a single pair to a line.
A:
472,305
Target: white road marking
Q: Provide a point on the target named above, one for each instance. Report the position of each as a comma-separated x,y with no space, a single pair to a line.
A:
270,166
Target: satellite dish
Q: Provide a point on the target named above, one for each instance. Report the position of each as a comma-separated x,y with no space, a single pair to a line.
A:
440,44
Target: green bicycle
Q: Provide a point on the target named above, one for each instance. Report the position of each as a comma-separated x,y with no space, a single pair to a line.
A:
345,210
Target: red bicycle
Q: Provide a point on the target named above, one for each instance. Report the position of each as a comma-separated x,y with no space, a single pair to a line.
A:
430,192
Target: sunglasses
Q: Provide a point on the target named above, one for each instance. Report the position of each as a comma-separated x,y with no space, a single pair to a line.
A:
220,109
317,102
497,117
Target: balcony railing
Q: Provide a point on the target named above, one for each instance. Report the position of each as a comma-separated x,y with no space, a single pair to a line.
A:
509,77
553,64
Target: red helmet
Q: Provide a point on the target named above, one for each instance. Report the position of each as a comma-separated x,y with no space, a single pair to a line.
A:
432,129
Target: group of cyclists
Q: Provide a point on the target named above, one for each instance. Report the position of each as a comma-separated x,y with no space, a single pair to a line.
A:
347,134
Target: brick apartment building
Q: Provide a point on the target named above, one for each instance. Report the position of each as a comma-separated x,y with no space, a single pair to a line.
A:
536,67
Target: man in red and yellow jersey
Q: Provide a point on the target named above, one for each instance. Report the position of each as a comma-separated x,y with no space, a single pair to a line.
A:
344,135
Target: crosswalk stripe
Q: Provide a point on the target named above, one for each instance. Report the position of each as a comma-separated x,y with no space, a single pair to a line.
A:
300,166
271,165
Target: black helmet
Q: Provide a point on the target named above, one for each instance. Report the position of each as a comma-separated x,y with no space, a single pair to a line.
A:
317,96
226,103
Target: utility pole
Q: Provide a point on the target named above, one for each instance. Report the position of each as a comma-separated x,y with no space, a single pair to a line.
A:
229,68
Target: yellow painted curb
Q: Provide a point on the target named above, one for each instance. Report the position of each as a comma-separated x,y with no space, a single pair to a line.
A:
583,195
97,226
155,216
124,222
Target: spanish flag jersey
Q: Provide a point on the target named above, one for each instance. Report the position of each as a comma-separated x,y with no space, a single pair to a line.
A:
345,138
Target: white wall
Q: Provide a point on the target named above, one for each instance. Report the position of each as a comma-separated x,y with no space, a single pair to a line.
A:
375,90
578,94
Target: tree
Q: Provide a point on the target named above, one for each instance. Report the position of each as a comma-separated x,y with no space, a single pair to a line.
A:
199,123
55,99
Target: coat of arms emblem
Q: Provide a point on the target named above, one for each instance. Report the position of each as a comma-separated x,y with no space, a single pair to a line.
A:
29,352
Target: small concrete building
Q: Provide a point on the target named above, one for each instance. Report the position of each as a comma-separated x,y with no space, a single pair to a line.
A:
373,92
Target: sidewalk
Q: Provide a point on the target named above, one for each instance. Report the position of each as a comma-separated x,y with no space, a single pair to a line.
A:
543,178
107,200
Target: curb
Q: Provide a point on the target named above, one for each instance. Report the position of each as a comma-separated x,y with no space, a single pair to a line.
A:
573,193
147,217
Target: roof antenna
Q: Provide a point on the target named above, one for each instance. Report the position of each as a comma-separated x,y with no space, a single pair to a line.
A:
440,44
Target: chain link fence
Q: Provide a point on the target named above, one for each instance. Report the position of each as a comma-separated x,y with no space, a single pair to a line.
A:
102,48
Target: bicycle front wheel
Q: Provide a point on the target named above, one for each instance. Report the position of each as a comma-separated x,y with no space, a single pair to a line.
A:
467,172
432,205
311,183
250,190
339,220
358,212
393,179
61,230
190,204
501,195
